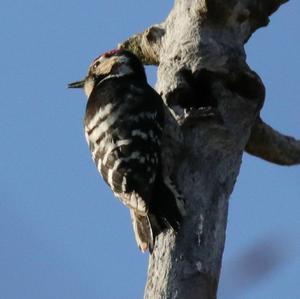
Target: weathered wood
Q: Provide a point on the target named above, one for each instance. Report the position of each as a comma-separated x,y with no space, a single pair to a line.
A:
272,146
199,50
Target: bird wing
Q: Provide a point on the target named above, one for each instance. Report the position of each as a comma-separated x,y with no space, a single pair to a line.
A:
123,126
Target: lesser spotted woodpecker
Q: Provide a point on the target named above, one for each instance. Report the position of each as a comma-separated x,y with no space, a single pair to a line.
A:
123,125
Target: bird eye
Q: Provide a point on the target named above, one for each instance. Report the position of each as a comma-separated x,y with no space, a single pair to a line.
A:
96,64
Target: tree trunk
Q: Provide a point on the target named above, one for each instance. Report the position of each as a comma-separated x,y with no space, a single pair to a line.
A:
199,50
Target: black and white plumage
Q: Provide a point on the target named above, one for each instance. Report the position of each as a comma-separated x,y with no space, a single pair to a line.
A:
123,126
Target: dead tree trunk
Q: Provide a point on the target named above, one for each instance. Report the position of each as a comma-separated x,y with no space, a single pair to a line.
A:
199,50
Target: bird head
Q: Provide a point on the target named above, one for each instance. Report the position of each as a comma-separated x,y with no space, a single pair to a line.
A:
113,64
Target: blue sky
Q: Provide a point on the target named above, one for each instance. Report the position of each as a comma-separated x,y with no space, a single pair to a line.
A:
63,235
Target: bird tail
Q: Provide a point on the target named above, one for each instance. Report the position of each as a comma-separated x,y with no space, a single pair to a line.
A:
166,210
142,230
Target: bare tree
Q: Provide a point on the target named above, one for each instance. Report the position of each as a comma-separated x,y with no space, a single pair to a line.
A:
199,50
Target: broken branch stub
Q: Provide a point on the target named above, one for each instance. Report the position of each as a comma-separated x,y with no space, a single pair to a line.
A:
270,145
146,45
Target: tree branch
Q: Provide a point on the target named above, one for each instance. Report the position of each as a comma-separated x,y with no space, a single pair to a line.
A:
250,14
270,145
146,45
261,10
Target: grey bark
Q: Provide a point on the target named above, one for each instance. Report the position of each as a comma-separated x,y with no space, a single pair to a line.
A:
204,154
270,145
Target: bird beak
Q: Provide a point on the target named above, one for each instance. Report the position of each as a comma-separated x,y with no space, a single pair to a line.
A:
77,84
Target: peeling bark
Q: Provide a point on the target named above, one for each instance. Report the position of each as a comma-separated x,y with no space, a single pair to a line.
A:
199,50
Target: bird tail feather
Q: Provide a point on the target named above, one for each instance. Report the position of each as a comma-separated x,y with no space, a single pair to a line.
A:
166,210
142,230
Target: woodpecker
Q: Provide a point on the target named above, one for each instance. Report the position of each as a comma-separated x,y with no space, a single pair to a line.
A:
123,126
